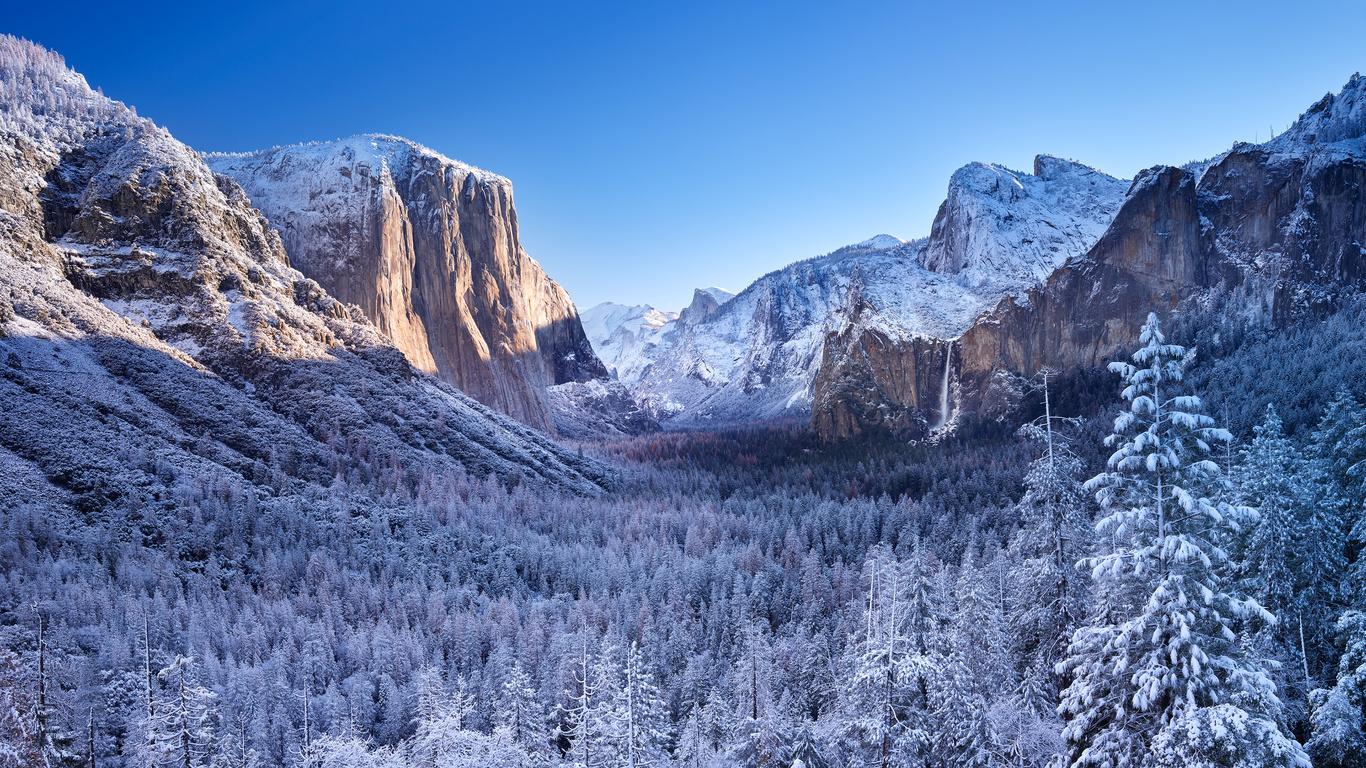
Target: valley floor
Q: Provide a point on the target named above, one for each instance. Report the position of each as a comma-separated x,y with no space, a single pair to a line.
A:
748,597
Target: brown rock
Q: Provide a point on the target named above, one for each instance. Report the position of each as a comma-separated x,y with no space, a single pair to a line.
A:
428,248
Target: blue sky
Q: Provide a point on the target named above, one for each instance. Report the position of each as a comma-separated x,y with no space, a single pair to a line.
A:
657,147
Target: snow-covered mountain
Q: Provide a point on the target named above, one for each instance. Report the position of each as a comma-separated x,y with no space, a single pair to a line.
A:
1004,228
756,355
429,249
151,325
1270,233
626,337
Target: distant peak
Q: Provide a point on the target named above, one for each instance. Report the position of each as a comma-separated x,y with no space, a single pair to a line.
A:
880,242
1334,117
1050,167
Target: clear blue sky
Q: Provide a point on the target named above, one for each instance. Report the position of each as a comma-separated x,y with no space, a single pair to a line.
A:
655,147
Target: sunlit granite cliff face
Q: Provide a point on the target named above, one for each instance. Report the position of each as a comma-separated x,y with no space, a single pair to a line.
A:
428,249
1275,231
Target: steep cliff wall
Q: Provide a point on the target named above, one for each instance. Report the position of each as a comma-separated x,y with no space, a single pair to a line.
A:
1277,227
428,249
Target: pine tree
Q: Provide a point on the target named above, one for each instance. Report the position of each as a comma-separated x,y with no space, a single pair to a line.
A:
638,722
180,731
1055,536
1160,647
694,748
1292,562
759,737
441,714
580,715
1339,454
1339,720
885,699
520,713
19,746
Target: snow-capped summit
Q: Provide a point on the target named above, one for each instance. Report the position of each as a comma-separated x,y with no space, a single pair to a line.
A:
880,242
1334,118
720,294
625,336
428,247
999,226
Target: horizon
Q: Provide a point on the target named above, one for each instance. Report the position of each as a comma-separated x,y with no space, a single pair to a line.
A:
655,151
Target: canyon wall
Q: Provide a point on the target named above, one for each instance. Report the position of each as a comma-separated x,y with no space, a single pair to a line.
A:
428,248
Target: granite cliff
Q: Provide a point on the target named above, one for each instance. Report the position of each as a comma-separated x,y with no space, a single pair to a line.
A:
428,248
1274,231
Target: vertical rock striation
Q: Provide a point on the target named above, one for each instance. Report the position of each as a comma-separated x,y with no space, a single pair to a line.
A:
428,248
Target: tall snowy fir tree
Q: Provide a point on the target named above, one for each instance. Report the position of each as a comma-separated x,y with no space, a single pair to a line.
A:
180,729
1055,534
519,712
637,721
1159,662
1292,560
886,698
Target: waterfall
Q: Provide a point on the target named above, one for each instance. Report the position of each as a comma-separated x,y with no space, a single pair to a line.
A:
944,389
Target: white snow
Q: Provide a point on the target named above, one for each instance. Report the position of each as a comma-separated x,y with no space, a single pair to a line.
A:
880,242
1004,227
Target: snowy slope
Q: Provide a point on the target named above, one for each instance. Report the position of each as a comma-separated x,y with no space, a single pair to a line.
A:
999,227
627,338
756,355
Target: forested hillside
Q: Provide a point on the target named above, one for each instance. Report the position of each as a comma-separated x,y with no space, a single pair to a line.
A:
746,598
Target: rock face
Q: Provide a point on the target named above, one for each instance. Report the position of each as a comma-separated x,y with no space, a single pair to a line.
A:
794,346
1276,229
428,248
145,304
1002,227
883,363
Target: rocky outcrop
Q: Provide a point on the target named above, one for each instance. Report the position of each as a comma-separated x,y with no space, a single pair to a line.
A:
874,377
1003,227
1277,228
597,410
428,248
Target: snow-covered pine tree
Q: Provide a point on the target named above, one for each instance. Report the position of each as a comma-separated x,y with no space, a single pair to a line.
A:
1339,453
694,749
638,719
1292,561
1338,736
180,731
885,696
1159,655
520,713
579,713
441,714
18,743
1056,534
805,750
759,740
